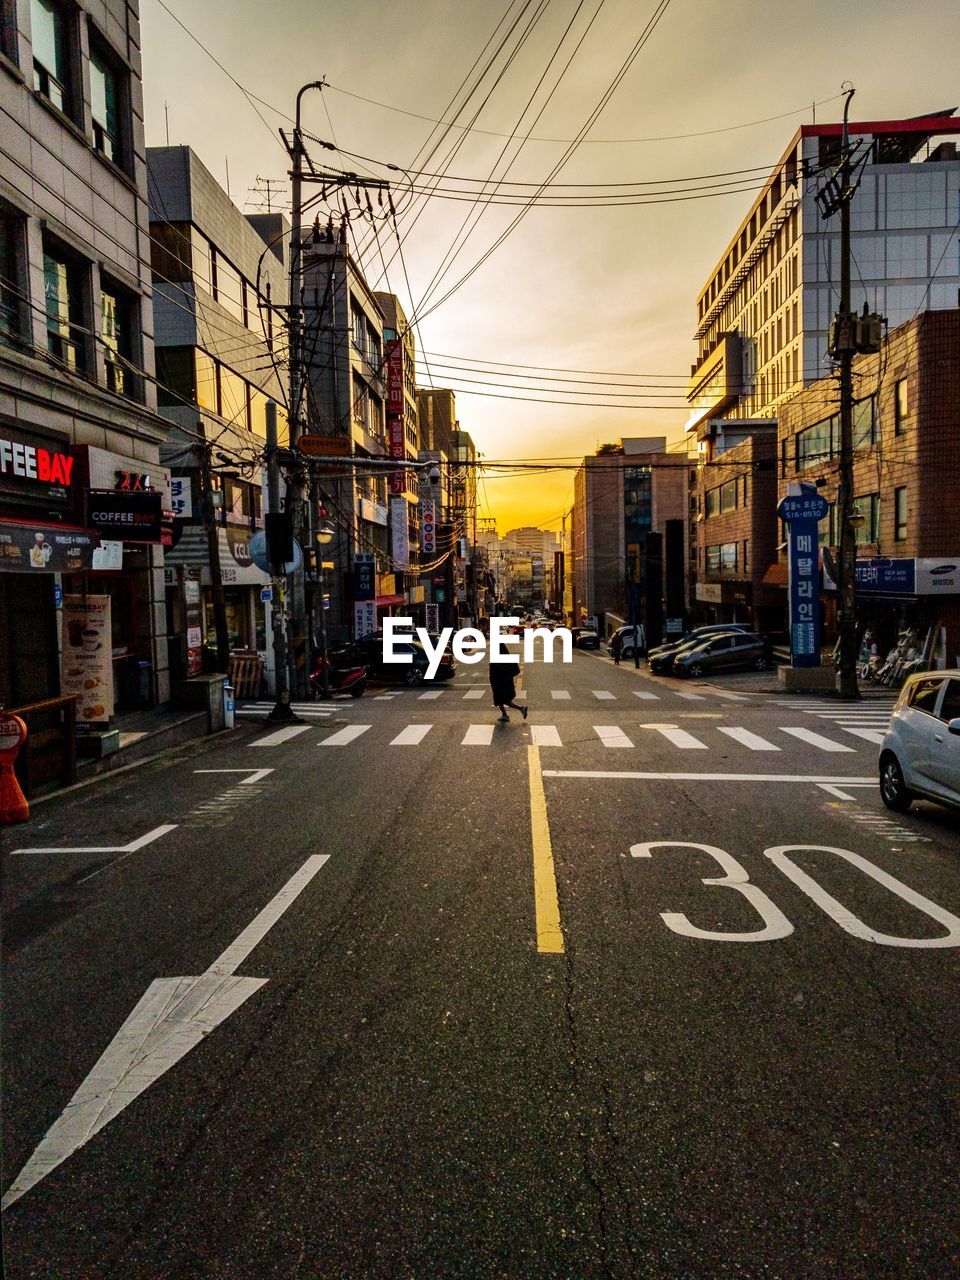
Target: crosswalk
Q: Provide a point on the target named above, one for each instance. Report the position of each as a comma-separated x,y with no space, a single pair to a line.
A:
711,737
866,720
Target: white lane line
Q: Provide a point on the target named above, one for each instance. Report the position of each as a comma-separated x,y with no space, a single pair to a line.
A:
132,847
545,735
746,738
170,1019
868,735
835,791
257,714
816,739
474,694
690,697
255,775
631,775
611,735
603,696
281,735
384,697
344,736
882,716
679,737
430,695
478,735
560,695
648,697
412,735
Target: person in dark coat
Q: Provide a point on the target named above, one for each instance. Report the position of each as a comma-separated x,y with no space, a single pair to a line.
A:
502,681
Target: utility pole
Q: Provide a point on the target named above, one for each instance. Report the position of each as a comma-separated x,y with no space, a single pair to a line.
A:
213,555
836,196
282,711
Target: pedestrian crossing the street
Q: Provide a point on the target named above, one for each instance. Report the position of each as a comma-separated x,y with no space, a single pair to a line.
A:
707,738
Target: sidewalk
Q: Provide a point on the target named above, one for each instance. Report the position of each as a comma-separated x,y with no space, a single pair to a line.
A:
143,734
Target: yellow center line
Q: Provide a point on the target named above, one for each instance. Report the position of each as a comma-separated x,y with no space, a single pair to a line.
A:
546,903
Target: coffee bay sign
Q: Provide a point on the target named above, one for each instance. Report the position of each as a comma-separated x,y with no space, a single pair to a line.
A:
325,446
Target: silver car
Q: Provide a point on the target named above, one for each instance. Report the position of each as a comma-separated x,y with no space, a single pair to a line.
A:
920,754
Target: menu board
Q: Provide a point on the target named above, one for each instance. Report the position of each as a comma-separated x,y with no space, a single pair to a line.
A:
87,656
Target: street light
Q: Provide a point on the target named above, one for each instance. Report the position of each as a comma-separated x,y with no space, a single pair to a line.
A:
323,535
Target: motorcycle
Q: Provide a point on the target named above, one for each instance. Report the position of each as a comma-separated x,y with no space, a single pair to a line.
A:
351,680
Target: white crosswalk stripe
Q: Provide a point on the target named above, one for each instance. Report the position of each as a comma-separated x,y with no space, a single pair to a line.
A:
343,737
478,735
611,735
560,695
474,694
280,736
732,697
411,736
868,735
261,713
430,695
752,741
648,697
679,737
545,735
815,739
691,697
603,696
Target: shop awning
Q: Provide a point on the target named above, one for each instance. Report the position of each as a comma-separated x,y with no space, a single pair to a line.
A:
775,576
382,601
45,548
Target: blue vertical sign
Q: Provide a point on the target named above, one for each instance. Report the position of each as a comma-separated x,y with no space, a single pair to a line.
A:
802,512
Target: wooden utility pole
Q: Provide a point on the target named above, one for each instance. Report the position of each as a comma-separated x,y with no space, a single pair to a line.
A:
847,685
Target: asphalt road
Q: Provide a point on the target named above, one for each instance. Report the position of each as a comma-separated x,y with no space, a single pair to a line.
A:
482,1009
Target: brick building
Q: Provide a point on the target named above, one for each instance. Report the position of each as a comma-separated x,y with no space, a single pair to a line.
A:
736,528
906,482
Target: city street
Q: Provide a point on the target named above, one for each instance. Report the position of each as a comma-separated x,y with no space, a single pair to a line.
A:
649,984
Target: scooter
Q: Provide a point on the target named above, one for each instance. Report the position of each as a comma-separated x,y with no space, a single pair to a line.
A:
352,680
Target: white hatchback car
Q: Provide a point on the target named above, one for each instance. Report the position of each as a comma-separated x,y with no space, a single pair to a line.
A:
920,755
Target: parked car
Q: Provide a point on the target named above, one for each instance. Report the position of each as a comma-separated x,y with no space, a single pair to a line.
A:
369,652
736,651
920,753
586,638
661,660
623,636
714,629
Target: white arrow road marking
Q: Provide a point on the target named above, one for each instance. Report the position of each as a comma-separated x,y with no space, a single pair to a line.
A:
132,847
255,774
172,1017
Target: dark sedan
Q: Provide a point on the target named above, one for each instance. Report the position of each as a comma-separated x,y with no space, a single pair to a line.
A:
662,660
586,638
737,651
698,633
369,651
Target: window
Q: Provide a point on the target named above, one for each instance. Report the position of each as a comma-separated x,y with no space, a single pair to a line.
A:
864,422
713,559
118,332
818,443
924,695
900,406
826,528
105,98
179,253
728,557
65,287
868,505
8,30
358,323
51,53
207,395
900,514
950,706
228,288
176,376
258,412
711,502
746,554
11,279
233,396
728,496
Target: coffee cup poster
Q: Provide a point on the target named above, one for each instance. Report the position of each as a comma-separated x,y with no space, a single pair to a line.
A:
87,656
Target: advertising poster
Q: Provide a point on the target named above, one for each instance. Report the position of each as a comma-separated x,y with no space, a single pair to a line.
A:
87,656
398,530
364,618
428,526
45,548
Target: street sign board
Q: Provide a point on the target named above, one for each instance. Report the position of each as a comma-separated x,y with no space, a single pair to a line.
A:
801,512
324,446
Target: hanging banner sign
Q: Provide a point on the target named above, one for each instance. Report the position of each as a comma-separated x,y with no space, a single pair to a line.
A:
32,548
129,515
364,618
181,498
398,532
86,660
432,617
364,577
802,512
428,526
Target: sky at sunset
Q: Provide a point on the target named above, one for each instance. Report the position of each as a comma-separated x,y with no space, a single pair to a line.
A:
607,289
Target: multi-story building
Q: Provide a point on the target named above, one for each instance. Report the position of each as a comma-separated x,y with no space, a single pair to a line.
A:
220,288
79,433
765,310
628,533
906,472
